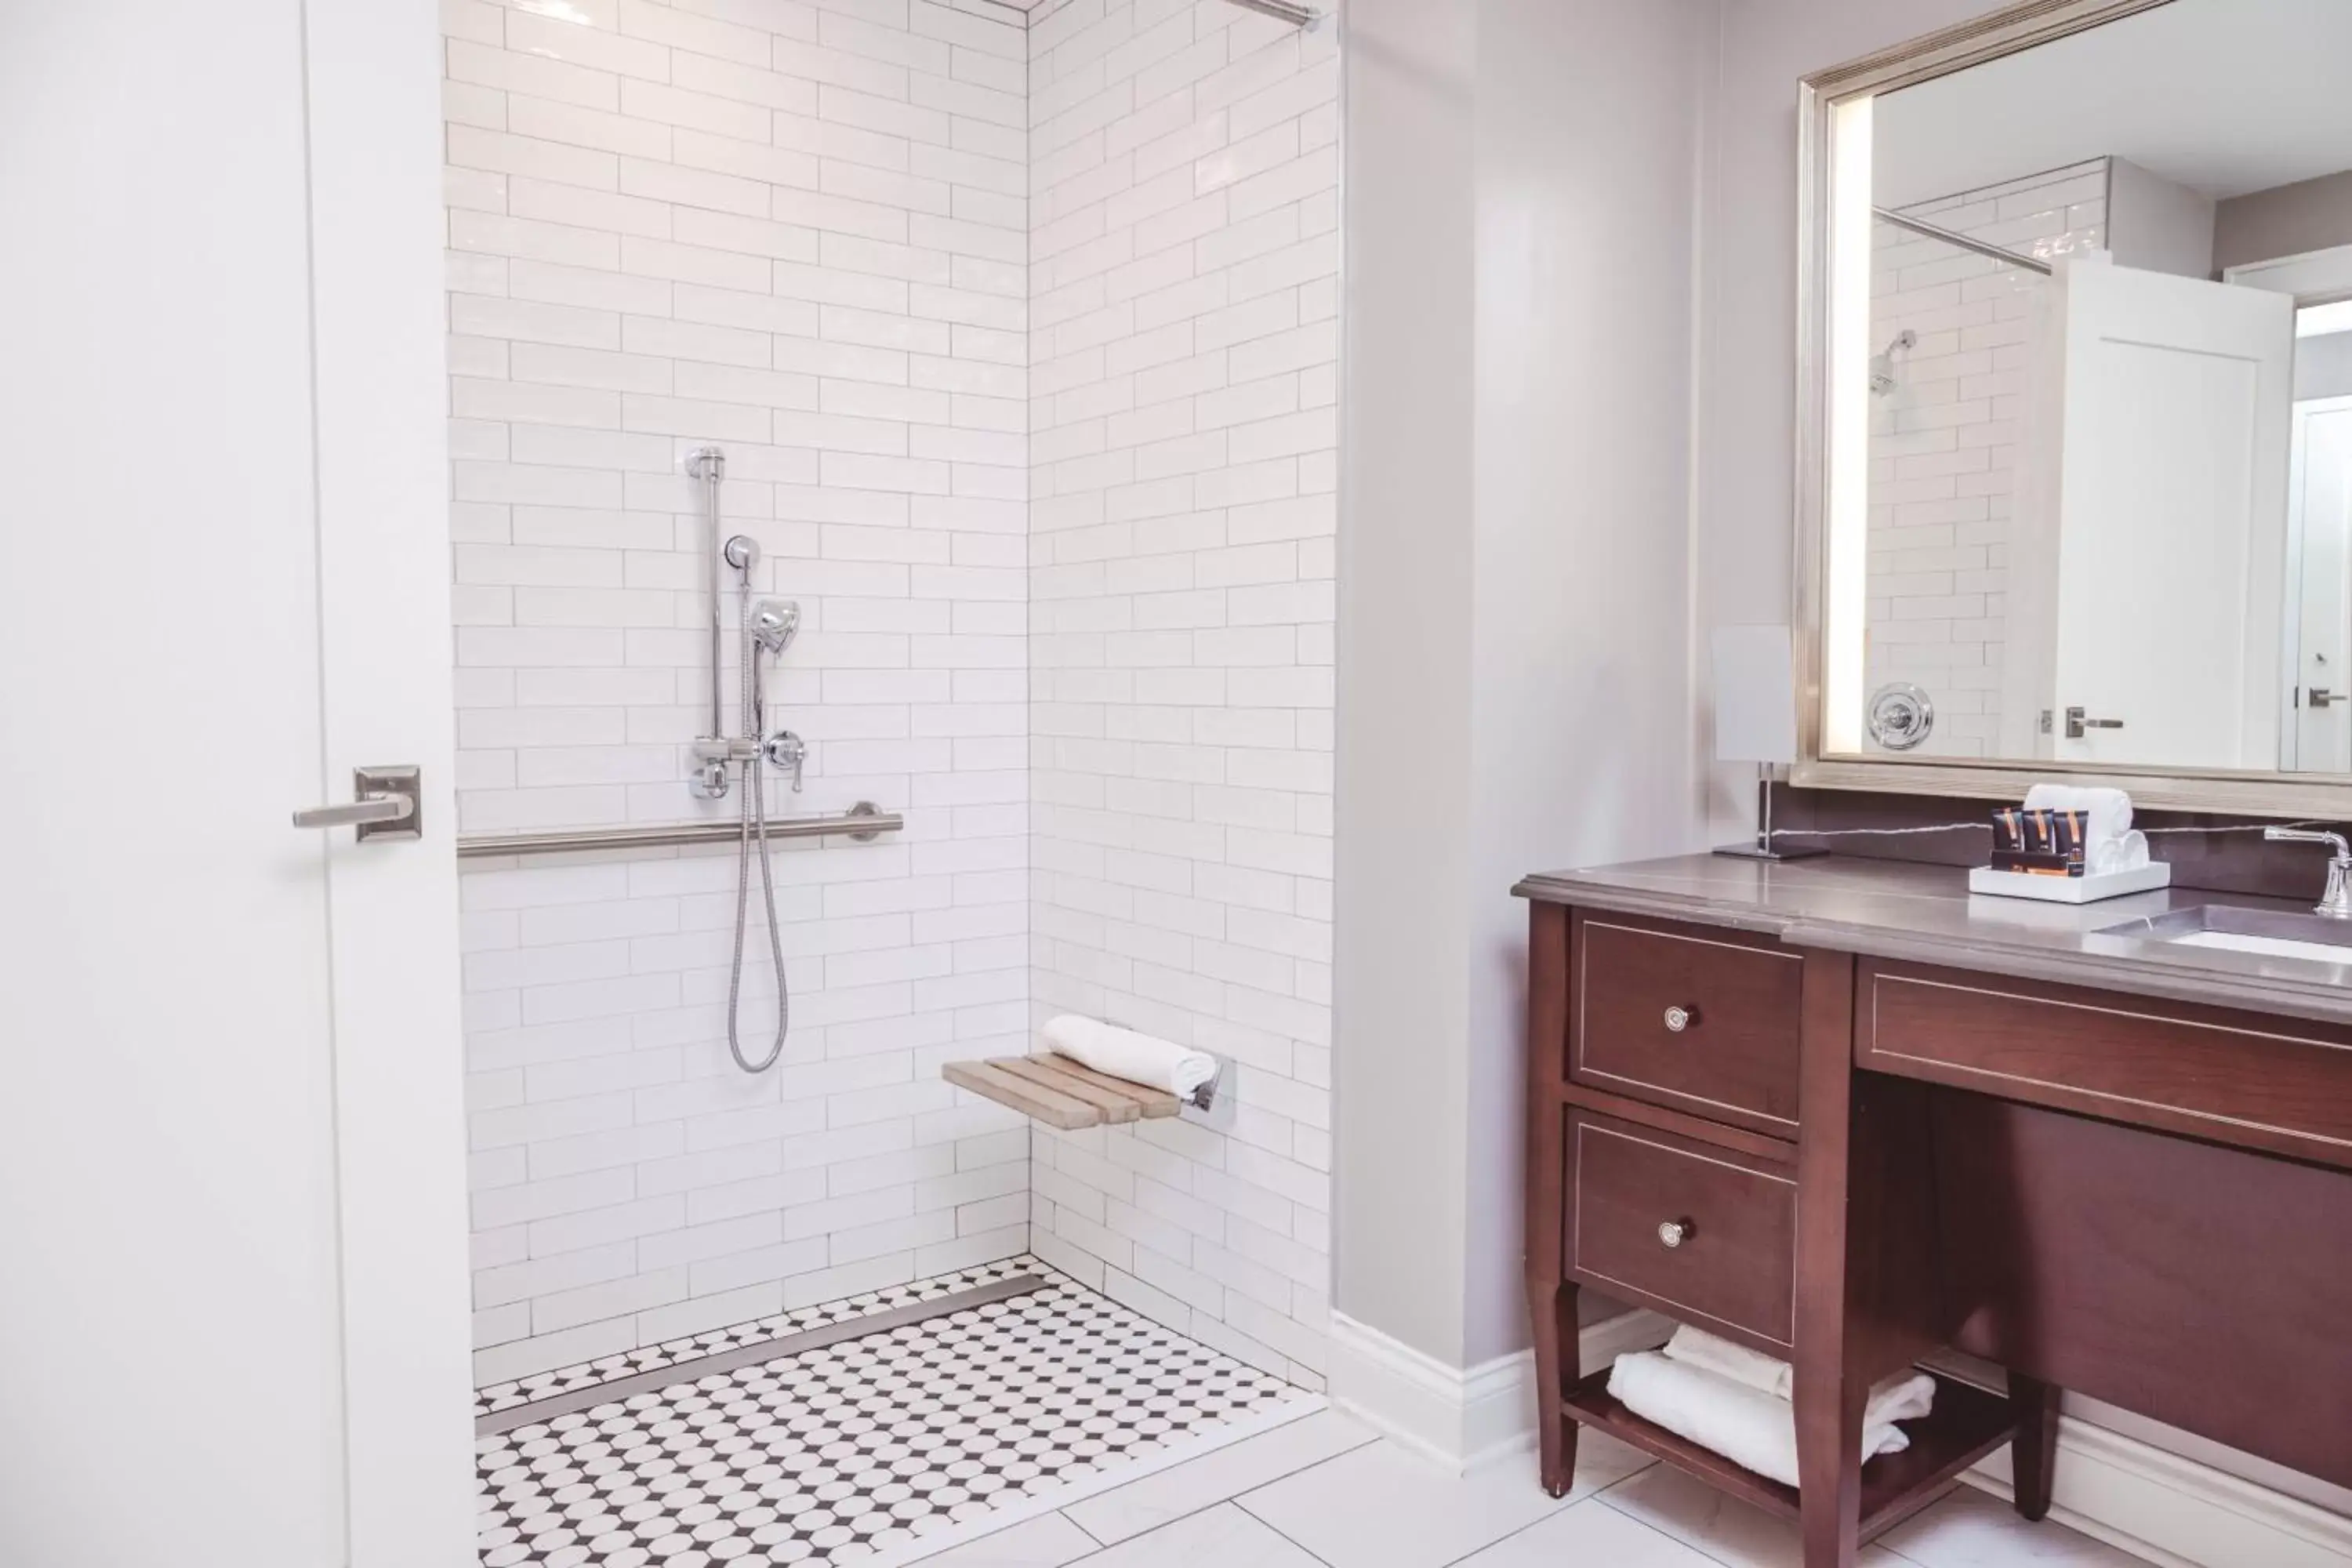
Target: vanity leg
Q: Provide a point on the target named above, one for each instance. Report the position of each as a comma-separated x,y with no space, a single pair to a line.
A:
1829,1468
2034,1444
1831,1386
1551,1299
1556,1367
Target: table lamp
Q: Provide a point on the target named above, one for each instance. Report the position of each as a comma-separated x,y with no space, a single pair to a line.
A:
1756,720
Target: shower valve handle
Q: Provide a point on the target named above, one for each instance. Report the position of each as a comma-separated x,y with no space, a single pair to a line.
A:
786,750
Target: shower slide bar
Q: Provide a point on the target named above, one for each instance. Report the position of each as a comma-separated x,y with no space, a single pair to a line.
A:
1949,236
1281,11
863,822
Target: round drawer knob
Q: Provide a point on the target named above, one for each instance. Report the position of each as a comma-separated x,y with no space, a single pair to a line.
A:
1673,1233
1680,1018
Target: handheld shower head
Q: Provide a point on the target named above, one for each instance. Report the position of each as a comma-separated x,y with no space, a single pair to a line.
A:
774,623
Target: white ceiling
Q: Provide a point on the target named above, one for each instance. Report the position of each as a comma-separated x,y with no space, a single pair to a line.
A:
2222,96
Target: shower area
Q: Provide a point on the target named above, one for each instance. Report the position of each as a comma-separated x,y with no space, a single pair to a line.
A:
1962,315
893,453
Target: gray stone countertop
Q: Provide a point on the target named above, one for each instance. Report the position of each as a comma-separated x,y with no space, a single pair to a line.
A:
1925,914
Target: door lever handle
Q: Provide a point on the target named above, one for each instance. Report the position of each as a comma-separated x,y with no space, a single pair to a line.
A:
2076,723
387,807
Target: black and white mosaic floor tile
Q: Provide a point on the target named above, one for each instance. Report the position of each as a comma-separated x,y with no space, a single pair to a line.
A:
539,1385
857,1451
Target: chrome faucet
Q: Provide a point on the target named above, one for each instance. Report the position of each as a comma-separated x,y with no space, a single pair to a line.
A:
2336,903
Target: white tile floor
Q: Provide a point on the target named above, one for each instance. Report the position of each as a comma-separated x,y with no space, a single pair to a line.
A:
1323,1492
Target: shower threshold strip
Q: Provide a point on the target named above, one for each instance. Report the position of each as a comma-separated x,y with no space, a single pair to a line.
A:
759,1355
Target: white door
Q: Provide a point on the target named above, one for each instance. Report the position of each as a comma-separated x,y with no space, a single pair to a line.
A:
2319,530
232,1288
2173,509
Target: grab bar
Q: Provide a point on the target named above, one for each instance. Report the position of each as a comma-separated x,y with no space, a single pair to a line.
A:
863,822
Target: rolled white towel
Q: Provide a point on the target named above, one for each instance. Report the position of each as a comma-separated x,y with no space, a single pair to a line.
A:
1905,1396
1123,1052
1697,1347
2108,842
1747,1426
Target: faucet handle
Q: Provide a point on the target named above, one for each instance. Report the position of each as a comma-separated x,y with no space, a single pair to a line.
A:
786,750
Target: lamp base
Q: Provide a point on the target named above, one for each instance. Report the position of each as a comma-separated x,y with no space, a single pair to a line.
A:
1758,852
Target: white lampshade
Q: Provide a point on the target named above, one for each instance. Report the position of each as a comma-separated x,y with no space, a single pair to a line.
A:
1755,694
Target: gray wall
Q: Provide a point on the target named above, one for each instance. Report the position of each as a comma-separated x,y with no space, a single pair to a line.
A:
2288,220
1402,841
1514,577
1747,301
2157,224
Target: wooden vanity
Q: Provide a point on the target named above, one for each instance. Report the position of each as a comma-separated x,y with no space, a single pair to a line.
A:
1841,1112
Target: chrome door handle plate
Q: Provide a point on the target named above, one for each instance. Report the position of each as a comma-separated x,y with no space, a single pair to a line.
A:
389,805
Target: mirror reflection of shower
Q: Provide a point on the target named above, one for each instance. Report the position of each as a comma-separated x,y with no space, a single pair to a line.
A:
1881,363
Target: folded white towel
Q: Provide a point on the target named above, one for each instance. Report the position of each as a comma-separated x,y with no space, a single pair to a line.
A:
2108,842
1905,1396
1747,1426
1123,1052
1697,1347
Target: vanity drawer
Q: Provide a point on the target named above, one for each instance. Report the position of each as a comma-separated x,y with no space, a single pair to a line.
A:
1731,1262
2246,1078
1737,999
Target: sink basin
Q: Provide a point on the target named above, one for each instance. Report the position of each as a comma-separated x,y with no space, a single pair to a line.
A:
2268,933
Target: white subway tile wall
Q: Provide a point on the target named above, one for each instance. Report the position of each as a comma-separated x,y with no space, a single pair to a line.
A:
800,232
1183,350
1944,445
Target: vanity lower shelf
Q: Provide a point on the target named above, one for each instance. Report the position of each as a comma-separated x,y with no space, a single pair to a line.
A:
1967,1424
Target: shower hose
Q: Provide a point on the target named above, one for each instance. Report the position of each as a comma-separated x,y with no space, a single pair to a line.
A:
755,830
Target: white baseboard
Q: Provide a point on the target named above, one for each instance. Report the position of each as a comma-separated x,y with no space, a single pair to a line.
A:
1456,1418
2175,1511
2172,1510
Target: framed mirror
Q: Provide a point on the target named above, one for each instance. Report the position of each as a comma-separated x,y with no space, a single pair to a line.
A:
2075,406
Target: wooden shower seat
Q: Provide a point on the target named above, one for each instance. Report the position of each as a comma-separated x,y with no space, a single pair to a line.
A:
1060,1092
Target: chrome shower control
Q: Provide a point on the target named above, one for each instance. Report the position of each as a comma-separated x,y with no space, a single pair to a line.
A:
787,750
742,552
1901,716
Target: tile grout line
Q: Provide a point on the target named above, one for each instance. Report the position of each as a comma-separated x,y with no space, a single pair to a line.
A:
1234,1497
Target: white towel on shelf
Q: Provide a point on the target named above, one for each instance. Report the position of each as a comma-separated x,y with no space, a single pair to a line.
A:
1123,1052
1753,1429
2109,844
1697,1347
1905,1396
